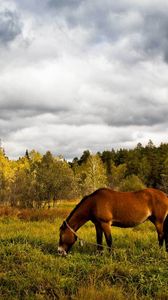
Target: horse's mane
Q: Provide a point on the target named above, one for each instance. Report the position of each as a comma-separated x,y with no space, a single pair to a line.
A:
81,202
76,207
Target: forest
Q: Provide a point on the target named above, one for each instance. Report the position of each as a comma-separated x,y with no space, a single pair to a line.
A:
29,232
36,180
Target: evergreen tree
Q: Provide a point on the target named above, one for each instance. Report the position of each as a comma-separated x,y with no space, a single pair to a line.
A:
164,176
84,157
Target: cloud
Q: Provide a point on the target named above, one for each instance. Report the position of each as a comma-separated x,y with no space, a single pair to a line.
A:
72,140
144,24
156,37
53,137
82,75
62,4
10,26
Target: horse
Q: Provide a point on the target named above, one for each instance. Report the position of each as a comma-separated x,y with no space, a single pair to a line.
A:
106,207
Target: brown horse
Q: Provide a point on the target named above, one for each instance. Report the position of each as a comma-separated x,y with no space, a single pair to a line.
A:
106,208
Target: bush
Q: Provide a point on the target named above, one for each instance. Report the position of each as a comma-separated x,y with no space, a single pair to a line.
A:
8,211
29,214
131,183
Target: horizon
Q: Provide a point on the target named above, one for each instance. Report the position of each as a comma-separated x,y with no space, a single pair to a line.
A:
78,157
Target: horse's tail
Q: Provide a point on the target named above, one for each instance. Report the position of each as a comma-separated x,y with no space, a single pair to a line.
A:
165,229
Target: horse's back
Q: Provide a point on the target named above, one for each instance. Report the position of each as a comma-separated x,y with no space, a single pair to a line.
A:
147,195
128,209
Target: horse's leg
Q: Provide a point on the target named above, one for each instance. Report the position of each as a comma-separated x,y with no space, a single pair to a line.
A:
166,241
165,227
99,237
106,227
160,231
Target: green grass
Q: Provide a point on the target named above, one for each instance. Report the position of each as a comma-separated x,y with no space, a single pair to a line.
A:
30,267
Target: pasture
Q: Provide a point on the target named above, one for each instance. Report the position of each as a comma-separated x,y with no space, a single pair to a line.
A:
30,267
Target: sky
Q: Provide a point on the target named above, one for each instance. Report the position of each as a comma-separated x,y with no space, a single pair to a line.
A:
82,74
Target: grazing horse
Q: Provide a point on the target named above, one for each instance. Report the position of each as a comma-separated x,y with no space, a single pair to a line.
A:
106,208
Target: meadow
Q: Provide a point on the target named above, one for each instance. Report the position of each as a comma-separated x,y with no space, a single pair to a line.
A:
30,267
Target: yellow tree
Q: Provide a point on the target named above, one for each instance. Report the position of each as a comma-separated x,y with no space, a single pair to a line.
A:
91,174
117,175
7,171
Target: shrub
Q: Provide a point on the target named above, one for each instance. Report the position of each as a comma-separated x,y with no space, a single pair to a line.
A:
131,183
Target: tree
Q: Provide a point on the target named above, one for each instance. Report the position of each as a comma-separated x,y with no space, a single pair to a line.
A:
117,175
144,169
153,157
108,161
90,175
86,154
45,179
54,180
7,170
22,190
96,173
164,176
65,182
131,183
150,145
35,180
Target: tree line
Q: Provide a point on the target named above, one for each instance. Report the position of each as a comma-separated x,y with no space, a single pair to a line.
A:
37,180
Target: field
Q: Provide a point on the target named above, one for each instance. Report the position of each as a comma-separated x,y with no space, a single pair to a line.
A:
30,267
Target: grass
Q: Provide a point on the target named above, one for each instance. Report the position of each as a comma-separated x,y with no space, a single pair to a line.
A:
30,267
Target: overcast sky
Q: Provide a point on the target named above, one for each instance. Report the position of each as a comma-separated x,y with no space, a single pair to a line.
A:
82,74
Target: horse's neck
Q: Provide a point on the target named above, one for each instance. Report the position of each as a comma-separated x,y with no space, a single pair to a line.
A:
79,218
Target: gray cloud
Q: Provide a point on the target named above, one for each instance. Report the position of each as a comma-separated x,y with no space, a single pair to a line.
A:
92,75
34,7
64,3
145,25
156,34
10,26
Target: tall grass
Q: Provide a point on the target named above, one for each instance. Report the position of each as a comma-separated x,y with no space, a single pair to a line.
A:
30,267
29,214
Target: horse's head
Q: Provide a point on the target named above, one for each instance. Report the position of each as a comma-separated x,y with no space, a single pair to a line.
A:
67,239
